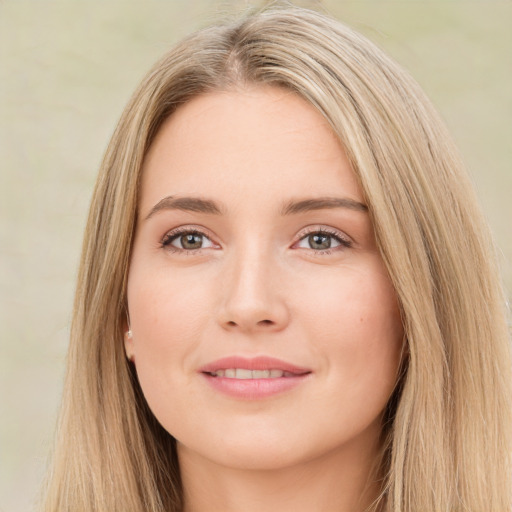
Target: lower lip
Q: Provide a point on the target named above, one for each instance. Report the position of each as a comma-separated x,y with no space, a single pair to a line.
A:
254,389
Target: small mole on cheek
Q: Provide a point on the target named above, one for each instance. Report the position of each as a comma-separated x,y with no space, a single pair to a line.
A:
361,319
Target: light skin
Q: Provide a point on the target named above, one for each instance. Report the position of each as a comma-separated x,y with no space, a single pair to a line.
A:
242,193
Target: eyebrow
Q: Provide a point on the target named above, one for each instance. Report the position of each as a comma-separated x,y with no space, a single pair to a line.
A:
322,203
199,205
188,204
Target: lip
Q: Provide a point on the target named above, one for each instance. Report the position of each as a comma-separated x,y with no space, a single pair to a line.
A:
254,389
253,363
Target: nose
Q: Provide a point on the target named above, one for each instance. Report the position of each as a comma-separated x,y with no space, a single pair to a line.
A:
253,298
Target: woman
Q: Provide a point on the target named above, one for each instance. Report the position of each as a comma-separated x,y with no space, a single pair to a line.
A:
287,296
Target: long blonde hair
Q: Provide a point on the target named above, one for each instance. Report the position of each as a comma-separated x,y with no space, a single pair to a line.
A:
447,431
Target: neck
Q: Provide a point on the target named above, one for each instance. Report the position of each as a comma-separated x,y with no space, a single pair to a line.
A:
338,481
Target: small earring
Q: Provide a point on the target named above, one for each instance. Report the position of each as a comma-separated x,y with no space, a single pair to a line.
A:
129,336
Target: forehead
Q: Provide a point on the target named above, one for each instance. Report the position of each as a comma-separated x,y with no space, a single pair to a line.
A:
264,142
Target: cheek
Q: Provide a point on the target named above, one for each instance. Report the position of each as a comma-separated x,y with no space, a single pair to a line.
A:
165,304
167,314
354,324
350,302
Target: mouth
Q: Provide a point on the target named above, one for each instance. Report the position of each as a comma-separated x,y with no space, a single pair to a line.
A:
253,378
244,373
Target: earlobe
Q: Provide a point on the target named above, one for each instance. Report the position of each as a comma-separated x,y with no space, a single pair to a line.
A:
128,345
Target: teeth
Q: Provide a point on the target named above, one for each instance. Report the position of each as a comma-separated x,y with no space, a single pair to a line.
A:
242,373
261,374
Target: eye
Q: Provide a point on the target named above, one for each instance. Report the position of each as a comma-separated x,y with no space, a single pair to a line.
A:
186,240
322,240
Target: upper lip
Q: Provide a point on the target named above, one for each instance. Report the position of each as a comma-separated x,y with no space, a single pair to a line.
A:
253,363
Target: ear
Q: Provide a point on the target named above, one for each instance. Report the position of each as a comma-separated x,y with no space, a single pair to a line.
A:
128,342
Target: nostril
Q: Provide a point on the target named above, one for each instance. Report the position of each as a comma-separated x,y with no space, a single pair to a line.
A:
249,325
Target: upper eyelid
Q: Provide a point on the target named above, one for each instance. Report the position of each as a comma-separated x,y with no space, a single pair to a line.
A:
324,229
187,229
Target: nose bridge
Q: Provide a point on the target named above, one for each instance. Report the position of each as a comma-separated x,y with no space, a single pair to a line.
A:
252,298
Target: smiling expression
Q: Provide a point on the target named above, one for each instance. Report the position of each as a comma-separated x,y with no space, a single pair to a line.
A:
265,329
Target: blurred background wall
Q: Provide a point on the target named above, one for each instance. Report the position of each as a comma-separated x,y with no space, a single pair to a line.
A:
66,70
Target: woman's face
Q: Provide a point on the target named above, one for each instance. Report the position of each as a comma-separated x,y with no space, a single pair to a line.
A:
265,329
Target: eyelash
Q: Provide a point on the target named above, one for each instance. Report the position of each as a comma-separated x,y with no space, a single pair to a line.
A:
166,243
174,234
343,240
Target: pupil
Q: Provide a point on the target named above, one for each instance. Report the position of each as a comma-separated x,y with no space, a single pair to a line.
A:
191,241
318,241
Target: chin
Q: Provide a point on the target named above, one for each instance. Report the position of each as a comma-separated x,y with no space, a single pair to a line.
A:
247,456
259,446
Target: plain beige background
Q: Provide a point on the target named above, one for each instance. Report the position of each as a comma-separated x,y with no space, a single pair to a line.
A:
66,70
